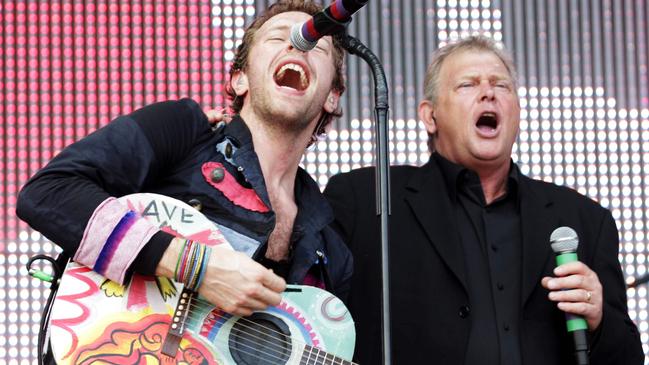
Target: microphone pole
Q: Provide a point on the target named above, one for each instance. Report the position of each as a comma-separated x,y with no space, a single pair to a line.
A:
355,47
304,37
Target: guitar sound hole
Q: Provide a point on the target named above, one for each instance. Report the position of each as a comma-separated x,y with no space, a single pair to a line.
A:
261,339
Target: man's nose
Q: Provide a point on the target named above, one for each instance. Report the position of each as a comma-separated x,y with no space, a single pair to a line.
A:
487,91
291,48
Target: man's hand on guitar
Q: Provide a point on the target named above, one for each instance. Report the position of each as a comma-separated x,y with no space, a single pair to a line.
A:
232,281
239,285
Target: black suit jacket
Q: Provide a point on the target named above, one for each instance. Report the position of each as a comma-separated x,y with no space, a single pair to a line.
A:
430,307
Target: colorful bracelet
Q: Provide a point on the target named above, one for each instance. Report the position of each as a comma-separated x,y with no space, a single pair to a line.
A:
192,264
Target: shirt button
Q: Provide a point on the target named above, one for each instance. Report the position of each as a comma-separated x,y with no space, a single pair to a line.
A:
500,286
506,327
494,248
218,174
465,310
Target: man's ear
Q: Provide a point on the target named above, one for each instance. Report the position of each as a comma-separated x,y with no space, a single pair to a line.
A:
331,104
427,115
239,83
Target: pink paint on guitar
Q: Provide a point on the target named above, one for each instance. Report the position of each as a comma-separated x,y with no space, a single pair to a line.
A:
114,324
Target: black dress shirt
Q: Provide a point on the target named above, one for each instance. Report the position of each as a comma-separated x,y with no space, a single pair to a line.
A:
490,235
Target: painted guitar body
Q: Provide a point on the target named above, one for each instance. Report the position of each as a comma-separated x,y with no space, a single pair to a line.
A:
97,321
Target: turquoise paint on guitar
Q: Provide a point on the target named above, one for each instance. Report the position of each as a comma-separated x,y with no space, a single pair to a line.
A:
91,314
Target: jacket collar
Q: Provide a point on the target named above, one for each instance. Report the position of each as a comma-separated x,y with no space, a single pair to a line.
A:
244,157
313,216
237,131
428,191
313,209
458,177
314,213
538,219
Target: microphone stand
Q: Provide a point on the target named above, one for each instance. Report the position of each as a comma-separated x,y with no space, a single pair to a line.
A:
355,47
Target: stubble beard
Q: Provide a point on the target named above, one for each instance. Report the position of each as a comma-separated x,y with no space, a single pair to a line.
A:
293,119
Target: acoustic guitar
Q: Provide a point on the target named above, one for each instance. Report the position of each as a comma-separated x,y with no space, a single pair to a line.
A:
154,320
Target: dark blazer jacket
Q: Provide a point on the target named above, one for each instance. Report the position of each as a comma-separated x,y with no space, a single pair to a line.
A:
430,307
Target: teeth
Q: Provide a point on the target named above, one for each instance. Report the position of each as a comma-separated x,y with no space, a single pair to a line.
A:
294,67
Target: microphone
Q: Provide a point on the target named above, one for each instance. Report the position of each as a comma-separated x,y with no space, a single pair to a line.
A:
564,242
331,20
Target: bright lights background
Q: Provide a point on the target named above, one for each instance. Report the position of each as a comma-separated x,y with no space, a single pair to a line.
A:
68,68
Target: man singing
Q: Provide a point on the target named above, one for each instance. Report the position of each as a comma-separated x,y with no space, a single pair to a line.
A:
244,174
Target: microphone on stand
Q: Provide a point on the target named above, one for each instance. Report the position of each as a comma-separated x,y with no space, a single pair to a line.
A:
304,37
564,242
331,20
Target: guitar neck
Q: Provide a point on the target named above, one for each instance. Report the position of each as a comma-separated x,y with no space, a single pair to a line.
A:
314,356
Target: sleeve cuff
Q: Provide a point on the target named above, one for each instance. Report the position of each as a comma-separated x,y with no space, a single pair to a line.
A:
148,258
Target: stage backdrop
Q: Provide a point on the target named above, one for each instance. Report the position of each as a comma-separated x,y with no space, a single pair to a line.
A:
67,68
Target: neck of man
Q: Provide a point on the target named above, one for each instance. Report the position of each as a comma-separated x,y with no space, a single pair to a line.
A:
279,146
493,180
279,150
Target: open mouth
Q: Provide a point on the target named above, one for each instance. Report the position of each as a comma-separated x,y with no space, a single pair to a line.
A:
487,121
293,76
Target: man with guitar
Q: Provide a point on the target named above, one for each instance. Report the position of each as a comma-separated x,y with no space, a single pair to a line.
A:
245,175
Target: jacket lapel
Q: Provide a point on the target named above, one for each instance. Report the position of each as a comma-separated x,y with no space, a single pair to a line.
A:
538,221
428,198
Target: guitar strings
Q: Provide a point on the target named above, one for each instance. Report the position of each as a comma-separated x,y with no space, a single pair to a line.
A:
258,355
276,347
244,322
299,361
320,357
197,306
205,305
251,326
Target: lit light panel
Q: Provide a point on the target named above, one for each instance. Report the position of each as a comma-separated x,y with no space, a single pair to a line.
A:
67,69
572,132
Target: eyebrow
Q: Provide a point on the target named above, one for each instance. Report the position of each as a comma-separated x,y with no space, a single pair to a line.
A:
283,27
279,27
496,77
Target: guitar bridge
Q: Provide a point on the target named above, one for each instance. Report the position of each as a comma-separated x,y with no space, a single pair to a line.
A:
177,328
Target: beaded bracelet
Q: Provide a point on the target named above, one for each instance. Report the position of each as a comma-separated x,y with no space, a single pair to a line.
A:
192,264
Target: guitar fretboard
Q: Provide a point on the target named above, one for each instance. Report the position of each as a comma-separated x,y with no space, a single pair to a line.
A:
314,356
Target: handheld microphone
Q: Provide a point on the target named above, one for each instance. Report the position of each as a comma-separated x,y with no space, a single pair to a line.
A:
564,242
331,20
